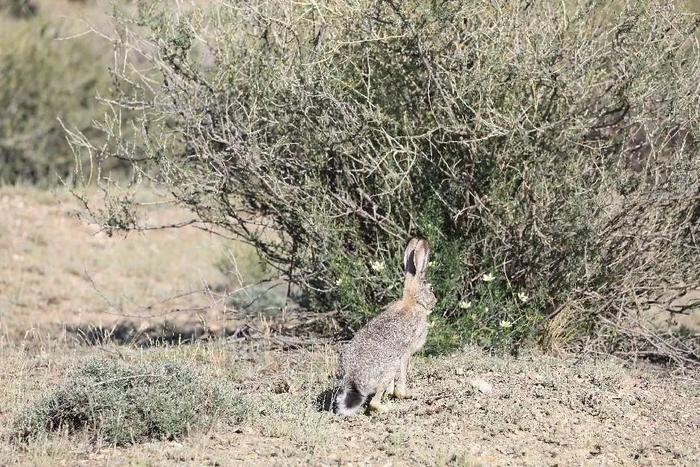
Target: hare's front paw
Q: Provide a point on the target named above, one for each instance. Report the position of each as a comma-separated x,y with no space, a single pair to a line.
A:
377,407
403,394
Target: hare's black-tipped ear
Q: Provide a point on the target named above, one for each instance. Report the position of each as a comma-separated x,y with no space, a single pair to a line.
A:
409,265
421,256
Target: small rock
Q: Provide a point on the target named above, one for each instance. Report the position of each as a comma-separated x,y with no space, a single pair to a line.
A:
459,372
481,385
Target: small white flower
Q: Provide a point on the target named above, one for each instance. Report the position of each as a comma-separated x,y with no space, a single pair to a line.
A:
488,277
465,305
486,309
522,296
339,282
431,264
506,324
377,266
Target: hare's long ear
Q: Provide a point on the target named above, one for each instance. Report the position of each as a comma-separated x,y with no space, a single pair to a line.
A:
421,256
409,266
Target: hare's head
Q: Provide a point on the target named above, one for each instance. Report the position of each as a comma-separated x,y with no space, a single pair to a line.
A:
416,286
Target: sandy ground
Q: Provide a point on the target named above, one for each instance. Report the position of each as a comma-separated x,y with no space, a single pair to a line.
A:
470,408
60,276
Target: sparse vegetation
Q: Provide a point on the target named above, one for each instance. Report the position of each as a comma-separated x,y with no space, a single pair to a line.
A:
121,404
49,79
548,150
18,8
570,409
549,144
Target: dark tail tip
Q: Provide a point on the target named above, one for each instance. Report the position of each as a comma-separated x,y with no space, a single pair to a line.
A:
349,402
353,397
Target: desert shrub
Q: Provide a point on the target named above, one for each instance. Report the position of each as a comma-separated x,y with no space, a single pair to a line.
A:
120,404
550,145
18,8
47,81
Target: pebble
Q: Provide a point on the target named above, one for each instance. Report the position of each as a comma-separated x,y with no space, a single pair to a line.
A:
481,385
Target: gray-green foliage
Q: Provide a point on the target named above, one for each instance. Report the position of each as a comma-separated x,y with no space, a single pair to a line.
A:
118,403
44,79
18,8
551,144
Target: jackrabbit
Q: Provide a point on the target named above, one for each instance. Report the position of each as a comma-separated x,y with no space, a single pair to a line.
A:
376,360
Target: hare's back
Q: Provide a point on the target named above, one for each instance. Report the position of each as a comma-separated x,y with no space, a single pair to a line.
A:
381,343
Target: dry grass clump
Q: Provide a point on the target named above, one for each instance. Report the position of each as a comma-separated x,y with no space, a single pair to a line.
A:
547,147
116,403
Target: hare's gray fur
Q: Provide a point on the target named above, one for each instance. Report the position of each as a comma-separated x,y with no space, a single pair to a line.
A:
376,360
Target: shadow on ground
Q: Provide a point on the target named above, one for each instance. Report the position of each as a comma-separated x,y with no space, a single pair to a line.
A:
165,333
324,401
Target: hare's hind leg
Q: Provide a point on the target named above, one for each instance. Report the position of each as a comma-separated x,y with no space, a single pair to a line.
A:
375,404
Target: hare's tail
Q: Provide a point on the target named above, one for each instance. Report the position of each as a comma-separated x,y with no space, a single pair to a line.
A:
349,400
